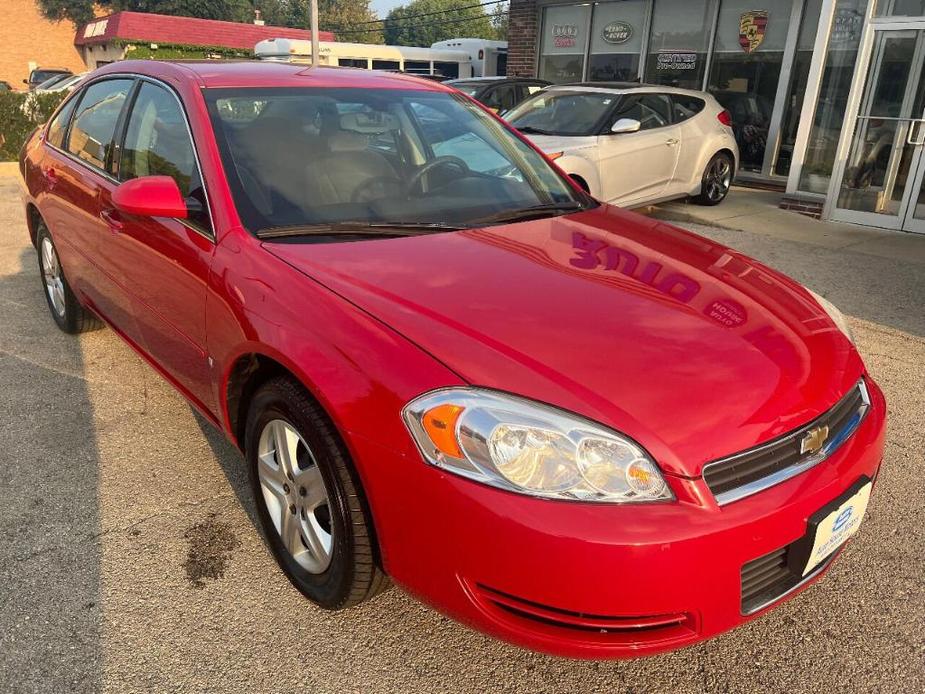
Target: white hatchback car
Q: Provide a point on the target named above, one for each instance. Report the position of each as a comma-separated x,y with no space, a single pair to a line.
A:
630,144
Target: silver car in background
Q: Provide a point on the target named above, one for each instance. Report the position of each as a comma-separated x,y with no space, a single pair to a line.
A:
632,144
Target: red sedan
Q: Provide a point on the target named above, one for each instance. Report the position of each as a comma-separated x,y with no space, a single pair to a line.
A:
577,429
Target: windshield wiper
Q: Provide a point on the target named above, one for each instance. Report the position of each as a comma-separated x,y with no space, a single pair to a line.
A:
533,212
530,130
374,229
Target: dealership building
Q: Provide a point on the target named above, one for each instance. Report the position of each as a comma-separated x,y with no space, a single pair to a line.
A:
827,96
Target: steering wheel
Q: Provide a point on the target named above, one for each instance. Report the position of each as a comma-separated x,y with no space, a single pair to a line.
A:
437,163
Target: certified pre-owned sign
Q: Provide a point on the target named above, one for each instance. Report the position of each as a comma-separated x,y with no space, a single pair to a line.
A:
617,32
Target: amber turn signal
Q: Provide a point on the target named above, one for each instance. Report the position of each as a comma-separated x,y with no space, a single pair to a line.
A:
440,425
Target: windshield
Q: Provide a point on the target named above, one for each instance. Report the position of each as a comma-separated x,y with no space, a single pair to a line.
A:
39,76
53,80
561,112
312,156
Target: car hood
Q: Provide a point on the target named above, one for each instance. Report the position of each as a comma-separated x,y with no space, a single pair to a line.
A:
692,349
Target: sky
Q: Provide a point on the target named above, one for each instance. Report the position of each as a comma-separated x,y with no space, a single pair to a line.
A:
382,7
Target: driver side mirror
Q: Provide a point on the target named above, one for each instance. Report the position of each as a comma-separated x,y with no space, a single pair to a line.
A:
626,125
151,196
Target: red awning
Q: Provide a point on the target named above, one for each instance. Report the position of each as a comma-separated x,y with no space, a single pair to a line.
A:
158,28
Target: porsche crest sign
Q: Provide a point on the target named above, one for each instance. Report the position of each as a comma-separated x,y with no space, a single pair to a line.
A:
752,27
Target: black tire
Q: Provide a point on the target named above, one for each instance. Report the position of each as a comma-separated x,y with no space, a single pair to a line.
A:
353,574
70,317
716,180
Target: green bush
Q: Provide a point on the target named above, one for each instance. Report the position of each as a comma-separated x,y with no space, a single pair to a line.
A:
20,113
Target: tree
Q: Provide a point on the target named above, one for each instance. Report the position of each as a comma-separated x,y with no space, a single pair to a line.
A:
81,11
452,18
350,20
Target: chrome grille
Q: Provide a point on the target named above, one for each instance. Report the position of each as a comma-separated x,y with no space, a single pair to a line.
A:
756,469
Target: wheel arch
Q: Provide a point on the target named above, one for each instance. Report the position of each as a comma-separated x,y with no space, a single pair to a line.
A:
33,219
244,377
246,374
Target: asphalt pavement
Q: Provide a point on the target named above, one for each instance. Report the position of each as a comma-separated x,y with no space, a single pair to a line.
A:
130,561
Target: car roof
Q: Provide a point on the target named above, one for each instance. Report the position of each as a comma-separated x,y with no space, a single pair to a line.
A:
268,73
625,87
495,80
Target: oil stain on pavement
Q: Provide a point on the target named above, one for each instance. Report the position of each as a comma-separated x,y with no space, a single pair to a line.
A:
211,543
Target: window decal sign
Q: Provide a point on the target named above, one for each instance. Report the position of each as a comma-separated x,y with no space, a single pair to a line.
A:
564,35
752,27
617,32
676,60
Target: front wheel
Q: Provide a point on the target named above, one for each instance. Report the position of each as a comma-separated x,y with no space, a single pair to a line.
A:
309,500
716,180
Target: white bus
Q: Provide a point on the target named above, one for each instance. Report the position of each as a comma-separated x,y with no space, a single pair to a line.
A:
420,61
489,58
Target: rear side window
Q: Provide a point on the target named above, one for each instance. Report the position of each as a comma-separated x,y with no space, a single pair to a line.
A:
58,126
95,121
686,106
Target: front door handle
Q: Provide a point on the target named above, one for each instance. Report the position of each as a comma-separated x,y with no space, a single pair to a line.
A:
111,217
671,141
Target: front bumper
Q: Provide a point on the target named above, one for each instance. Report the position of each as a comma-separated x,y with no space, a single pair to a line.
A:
596,581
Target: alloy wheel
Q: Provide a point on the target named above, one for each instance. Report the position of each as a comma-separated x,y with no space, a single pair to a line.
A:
719,178
295,495
51,273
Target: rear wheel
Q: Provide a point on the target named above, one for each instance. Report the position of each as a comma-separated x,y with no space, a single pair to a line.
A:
309,500
716,181
64,307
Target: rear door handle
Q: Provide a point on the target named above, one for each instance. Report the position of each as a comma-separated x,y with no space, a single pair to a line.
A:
51,176
111,217
671,141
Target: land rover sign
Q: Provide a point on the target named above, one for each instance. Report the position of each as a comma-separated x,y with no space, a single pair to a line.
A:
617,32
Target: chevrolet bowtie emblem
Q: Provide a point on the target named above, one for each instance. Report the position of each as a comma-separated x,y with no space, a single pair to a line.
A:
814,440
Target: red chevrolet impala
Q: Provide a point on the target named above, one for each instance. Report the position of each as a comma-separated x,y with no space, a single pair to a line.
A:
571,427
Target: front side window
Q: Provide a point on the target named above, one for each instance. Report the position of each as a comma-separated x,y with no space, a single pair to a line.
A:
651,110
501,98
157,143
91,135
562,112
332,156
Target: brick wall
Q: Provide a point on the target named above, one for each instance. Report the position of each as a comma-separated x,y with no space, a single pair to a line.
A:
26,36
522,38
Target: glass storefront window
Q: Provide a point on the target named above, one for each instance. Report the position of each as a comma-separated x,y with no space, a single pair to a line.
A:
679,41
841,55
747,57
616,40
564,43
900,8
799,78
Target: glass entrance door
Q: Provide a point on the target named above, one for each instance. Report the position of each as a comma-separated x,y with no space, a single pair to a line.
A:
881,181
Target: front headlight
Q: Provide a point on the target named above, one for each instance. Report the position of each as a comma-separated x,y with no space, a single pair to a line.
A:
527,447
837,316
